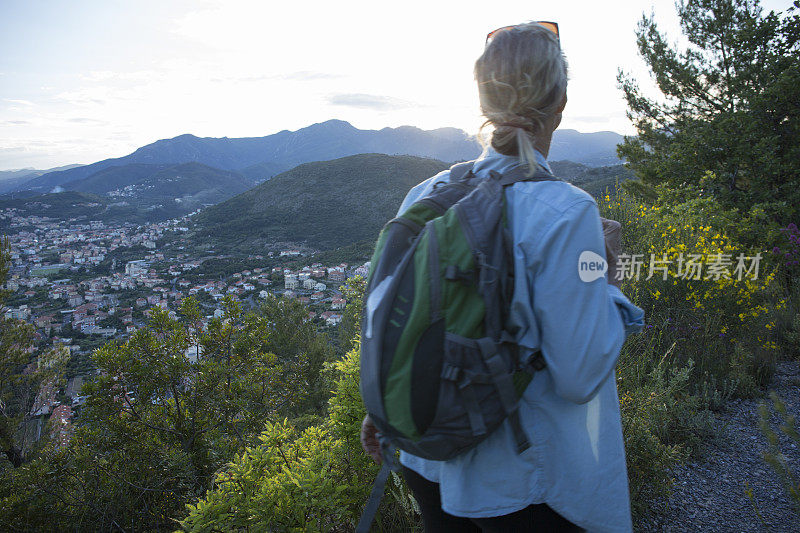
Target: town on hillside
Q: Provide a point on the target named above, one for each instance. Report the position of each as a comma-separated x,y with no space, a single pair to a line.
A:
82,284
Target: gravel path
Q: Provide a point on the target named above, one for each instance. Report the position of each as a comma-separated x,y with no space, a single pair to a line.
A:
709,493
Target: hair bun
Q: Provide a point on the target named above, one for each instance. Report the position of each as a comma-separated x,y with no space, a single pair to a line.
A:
518,124
521,122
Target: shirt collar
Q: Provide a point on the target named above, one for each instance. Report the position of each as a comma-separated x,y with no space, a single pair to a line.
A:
495,159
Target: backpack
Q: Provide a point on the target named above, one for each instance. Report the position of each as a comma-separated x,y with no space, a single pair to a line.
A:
439,369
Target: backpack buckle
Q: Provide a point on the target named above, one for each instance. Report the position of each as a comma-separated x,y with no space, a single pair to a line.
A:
537,361
450,372
453,273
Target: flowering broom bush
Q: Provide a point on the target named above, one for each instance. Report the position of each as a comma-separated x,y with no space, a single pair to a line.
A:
713,324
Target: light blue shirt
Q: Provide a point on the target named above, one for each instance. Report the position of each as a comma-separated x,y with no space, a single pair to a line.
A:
570,410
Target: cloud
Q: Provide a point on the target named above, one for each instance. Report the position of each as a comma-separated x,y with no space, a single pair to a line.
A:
308,75
85,96
21,102
85,120
17,122
114,76
300,75
593,119
369,101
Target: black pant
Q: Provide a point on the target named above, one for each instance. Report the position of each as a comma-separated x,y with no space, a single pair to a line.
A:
538,517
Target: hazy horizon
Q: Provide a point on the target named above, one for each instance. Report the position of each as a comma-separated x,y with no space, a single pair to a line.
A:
266,135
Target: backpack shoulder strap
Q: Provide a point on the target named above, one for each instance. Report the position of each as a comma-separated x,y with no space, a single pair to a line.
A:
460,171
519,173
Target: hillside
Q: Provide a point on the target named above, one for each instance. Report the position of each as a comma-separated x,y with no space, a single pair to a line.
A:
79,206
330,204
323,205
62,206
161,182
133,193
261,171
115,177
174,189
596,180
190,184
593,180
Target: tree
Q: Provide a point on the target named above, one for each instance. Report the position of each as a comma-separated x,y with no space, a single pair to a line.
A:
294,340
350,328
727,124
169,408
20,377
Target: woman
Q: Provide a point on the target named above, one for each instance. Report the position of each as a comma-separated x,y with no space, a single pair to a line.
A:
573,476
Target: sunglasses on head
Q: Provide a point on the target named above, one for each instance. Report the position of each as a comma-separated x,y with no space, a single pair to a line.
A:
552,26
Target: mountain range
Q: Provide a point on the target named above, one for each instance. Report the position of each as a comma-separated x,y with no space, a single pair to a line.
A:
259,158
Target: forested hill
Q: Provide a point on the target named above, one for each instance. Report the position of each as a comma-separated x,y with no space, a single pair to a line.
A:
324,204
328,204
594,180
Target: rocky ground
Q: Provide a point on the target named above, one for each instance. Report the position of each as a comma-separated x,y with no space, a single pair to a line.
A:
710,493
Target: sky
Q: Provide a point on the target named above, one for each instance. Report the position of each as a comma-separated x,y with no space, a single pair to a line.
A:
82,80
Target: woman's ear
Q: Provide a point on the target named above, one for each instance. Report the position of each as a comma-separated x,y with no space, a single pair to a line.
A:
557,116
563,103
556,121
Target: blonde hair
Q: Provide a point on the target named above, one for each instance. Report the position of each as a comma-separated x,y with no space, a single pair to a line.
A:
522,78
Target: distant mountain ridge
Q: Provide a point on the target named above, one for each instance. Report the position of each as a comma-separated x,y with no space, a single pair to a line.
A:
592,149
11,180
260,158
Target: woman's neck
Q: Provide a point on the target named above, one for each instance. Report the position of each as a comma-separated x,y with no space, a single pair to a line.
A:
542,143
